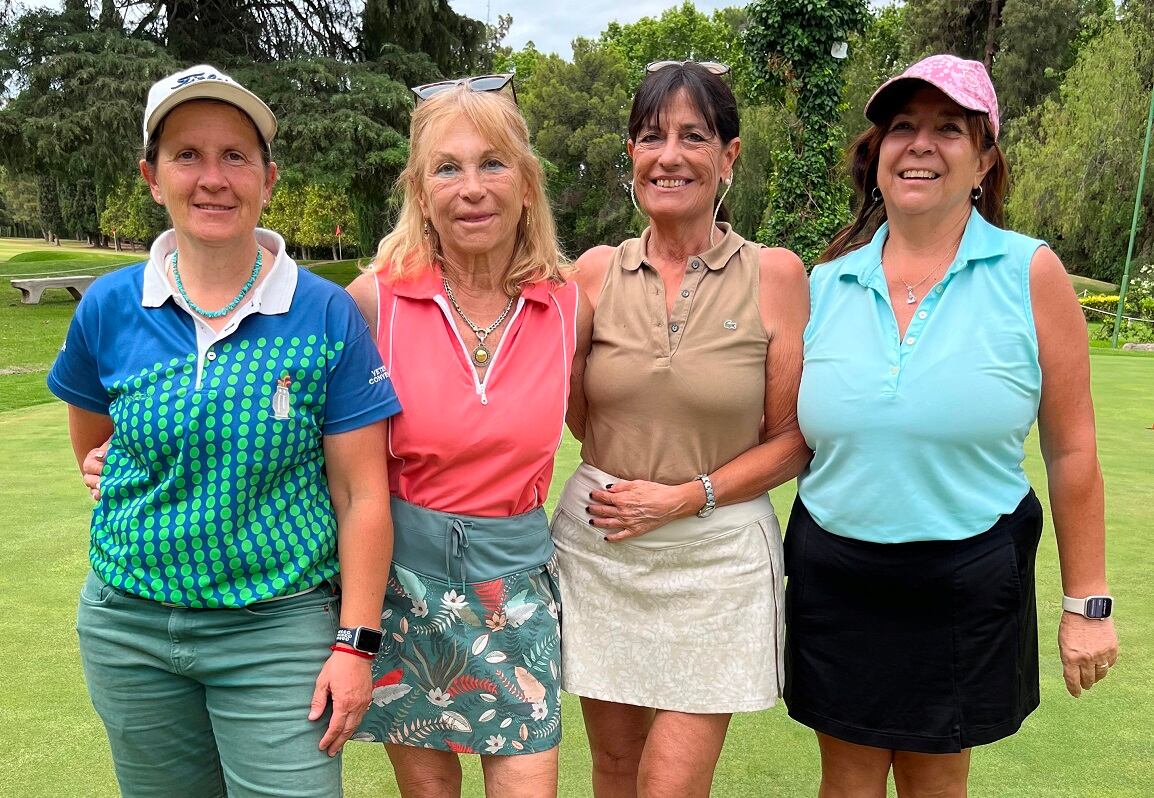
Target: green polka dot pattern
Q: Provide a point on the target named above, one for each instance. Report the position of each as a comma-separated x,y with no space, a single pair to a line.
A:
215,496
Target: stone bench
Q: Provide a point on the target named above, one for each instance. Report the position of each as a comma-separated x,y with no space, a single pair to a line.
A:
32,289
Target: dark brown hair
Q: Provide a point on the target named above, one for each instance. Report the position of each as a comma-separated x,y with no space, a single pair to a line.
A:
708,93
862,163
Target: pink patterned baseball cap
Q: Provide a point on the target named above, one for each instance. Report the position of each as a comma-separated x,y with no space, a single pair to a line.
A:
965,82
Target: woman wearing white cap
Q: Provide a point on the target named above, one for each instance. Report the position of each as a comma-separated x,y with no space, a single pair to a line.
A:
241,393
935,342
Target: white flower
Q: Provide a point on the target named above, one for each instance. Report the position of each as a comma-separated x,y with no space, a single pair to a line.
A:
494,744
439,697
552,608
540,710
453,603
420,608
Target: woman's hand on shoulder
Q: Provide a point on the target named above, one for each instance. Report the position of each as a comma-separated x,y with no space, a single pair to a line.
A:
363,290
590,269
630,508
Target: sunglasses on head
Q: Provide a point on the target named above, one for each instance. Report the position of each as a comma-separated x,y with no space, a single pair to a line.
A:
715,67
478,83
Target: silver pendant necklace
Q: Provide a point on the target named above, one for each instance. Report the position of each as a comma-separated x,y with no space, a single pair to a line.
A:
480,353
910,298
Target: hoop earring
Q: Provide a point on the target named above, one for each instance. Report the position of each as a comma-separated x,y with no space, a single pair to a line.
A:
633,199
713,228
876,195
977,193
425,228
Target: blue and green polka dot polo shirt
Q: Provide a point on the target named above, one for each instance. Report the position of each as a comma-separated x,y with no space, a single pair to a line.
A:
214,490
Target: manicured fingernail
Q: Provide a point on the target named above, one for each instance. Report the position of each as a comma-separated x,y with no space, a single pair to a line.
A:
590,522
610,486
606,538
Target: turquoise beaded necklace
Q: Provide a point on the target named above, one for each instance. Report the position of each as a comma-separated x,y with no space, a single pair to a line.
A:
216,314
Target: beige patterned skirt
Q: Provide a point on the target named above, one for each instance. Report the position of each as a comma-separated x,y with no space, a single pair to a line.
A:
688,617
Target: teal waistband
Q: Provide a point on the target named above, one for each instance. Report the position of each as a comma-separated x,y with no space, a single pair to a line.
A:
468,548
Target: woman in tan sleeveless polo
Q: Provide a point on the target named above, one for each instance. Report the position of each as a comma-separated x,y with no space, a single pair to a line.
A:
669,550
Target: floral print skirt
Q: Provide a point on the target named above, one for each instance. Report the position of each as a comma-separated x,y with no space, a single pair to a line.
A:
471,667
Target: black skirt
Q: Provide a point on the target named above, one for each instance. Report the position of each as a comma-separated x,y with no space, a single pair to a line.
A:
929,646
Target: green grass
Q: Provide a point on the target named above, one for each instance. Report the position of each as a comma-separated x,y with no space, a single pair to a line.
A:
1101,745
39,256
1092,286
30,335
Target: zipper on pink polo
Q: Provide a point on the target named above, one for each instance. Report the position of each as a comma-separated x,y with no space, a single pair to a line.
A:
497,352
478,386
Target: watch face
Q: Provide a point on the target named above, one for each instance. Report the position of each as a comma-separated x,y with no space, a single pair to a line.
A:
368,640
1099,606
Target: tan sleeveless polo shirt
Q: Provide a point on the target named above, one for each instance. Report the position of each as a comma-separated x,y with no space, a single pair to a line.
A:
673,397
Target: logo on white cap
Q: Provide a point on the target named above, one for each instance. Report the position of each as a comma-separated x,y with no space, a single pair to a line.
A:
204,82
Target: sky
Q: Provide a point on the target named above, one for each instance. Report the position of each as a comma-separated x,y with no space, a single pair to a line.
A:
553,24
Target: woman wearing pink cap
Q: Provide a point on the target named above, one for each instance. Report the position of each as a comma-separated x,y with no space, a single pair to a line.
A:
936,340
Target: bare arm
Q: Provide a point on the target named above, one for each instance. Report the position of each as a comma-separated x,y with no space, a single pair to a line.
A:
363,290
1067,436
356,466
577,408
589,274
90,433
87,430
784,298
636,507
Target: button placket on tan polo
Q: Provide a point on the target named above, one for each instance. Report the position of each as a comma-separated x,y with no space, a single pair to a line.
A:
695,269
655,307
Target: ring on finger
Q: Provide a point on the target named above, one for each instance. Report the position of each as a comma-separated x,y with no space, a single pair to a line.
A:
1103,666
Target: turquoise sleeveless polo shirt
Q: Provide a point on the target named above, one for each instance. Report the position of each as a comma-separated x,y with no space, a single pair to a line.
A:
920,438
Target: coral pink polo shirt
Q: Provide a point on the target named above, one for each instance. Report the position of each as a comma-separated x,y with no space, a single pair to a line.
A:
462,445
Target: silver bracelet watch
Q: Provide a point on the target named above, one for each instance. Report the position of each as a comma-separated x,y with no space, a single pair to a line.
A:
710,500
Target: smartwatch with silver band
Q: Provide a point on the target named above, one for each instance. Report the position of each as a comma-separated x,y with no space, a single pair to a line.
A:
361,638
710,500
1094,607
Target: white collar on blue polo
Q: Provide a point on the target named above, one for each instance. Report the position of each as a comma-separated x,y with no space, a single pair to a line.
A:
272,295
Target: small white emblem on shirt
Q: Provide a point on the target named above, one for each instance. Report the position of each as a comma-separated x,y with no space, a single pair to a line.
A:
282,399
379,374
730,324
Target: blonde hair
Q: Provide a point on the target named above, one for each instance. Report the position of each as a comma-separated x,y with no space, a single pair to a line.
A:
407,250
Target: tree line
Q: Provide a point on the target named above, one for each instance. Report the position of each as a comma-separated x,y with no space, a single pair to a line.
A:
1073,76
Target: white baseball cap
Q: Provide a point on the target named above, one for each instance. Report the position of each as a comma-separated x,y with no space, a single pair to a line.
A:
204,82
